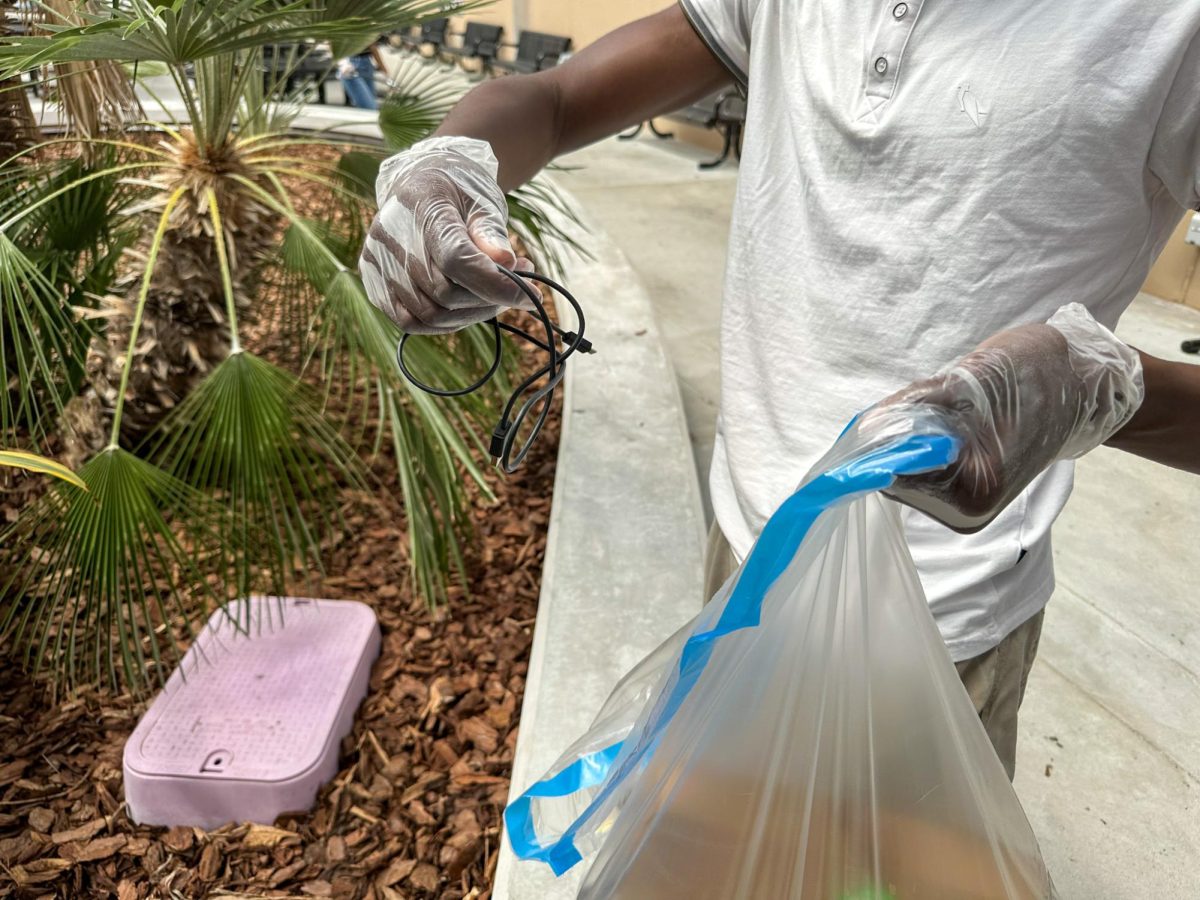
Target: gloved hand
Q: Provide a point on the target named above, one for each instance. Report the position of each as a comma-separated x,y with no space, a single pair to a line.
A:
346,68
1025,398
429,260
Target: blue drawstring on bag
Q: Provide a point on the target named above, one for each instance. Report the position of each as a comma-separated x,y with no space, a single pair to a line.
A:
874,470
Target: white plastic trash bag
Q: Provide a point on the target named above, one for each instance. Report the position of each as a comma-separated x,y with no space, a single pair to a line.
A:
806,736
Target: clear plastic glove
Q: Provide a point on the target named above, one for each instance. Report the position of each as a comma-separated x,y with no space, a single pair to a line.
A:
1025,398
346,68
429,260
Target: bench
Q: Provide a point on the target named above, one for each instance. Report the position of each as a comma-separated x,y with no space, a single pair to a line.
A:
724,111
535,51
298,66
479,41
432,33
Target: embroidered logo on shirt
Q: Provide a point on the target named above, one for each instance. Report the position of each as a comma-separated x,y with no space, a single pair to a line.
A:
969,104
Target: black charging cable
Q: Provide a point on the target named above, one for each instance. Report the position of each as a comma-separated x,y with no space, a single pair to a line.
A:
537,398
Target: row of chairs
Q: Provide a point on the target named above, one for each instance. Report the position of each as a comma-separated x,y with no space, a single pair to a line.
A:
723,112
534,50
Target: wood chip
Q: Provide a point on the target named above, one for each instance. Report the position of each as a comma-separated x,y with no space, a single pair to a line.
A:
480,733
267,836
41,819
39,871
425,877
101,848
335,849
179,839
364,815
82,833
12,770
286,873
397,871
210,863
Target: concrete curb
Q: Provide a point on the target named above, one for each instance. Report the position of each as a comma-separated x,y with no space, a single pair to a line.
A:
624,554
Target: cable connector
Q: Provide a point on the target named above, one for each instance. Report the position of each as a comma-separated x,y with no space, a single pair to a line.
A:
585,346
499,436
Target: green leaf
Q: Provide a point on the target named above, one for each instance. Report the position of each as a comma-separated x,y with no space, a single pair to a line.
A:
535,211
318,250
42,345
256,437
64,238
420,95
99,580
435,441
31,462
359,171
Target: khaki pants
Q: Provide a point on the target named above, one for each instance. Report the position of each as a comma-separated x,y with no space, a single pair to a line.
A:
995,680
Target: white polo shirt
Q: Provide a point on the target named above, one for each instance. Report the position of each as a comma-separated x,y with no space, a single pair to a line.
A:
916,177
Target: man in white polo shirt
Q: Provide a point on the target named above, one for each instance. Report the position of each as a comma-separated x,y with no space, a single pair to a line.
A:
918,180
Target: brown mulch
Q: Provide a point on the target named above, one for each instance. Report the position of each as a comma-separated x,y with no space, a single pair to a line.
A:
415,809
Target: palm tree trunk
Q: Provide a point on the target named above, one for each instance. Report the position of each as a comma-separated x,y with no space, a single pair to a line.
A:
184,333
18,128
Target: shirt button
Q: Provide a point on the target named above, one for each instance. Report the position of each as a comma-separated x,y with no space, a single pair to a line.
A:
900,10
881,65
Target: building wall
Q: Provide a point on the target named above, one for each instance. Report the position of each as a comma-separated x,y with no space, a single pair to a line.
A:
1176,275
583,21
499,13
589,20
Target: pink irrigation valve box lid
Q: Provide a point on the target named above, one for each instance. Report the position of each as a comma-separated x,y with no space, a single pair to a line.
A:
248,726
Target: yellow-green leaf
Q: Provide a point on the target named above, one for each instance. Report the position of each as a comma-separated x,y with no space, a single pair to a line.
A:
33,463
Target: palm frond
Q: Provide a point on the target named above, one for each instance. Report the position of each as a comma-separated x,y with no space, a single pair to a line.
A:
432,439
97,579
359,171
75,213
534,212
182,31
63,237
419,96
254,436
42,345
31,462
95,95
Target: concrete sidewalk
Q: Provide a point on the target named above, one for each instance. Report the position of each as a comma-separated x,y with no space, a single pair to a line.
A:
1109,768
672,222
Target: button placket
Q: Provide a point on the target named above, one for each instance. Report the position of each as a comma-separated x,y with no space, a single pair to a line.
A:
892,32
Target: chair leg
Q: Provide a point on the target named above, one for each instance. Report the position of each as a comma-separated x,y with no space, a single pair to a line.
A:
724,152
482,72
665,135
632,133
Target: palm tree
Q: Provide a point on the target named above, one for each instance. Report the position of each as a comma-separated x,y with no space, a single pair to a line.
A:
213,469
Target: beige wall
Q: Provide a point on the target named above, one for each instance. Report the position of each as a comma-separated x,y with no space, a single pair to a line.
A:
1176,275
586,21
499,13
582,21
